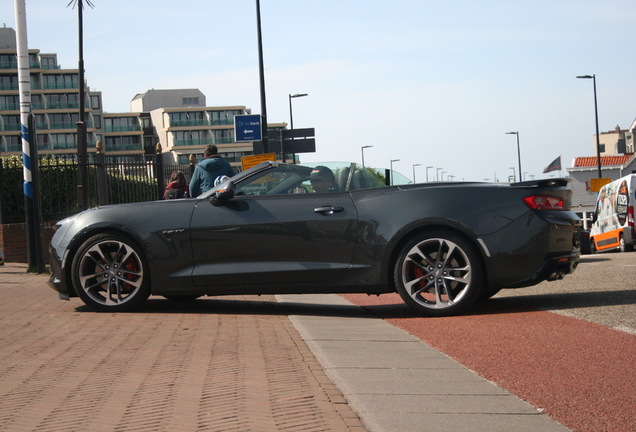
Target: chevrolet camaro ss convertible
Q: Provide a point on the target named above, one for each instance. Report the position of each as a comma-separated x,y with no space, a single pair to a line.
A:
335,228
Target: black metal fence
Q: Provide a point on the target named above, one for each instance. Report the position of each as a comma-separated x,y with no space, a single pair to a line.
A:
111,180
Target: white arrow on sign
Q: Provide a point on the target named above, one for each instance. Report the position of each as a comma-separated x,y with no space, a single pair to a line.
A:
247,131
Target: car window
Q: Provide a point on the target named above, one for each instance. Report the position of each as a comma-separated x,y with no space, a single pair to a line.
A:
299,179
283,179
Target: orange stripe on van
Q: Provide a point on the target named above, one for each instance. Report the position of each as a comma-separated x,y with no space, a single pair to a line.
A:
607,240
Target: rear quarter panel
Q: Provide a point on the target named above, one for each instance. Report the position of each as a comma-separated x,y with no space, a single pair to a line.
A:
512,239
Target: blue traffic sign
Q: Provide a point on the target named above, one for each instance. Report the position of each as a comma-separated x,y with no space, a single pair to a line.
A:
247,127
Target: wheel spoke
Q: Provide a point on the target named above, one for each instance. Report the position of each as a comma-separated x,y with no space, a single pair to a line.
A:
436,273
110,272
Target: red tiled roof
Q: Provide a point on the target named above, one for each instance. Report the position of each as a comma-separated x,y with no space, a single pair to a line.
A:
592,161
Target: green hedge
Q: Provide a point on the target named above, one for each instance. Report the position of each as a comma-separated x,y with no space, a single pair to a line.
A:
58,188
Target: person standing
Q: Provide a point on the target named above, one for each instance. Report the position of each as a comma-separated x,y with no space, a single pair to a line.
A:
178,187
211,167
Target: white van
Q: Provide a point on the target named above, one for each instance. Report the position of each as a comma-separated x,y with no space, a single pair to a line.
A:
613,227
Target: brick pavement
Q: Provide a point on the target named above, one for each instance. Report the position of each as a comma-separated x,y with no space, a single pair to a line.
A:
221,364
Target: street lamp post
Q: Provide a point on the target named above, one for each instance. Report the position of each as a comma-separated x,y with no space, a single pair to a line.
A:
261,79
514,176
393,160
82,145
598,142
291,121
427,172
437,174
291,117
443,172
414,165
518,153
362,150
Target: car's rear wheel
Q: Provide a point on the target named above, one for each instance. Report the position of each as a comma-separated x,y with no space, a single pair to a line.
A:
110,274
439,273
624,247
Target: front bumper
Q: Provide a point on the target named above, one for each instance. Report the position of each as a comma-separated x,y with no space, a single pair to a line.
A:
58,280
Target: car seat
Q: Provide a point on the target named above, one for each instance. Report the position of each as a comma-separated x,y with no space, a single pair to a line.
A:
343,177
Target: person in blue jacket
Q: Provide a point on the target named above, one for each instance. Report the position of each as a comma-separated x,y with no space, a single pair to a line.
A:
211,167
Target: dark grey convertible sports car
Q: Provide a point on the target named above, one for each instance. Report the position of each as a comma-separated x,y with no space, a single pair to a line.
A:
279,228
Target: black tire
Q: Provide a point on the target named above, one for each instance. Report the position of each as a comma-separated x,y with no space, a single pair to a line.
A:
182,298
110,273
592,246
624,247
439,273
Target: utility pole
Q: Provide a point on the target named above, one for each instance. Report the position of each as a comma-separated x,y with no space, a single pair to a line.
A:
35,249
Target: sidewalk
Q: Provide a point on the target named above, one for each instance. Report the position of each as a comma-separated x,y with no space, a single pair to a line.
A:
226,364
395,382
231,363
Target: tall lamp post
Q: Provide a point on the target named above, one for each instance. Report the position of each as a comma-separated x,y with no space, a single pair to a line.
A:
514,176
598,142
261,79
291,117
414,165
82,145
437,174
427,172
393,160
518,153
362,150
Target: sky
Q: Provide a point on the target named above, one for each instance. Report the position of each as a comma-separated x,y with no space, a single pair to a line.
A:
429,82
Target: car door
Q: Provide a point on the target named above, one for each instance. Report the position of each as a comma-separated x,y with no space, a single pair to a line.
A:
263,239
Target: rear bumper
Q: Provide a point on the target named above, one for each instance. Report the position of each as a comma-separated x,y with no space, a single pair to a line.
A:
552,269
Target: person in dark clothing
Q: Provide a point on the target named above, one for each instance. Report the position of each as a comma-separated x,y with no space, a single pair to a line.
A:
322,180
178,187
211,167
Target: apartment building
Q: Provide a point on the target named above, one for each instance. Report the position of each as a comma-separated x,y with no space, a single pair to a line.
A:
176,119
54,98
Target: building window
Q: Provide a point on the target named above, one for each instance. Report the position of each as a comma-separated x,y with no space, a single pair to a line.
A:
8,61
9,103
95,102
48,63
10,123
8,82
123,143
64,141
44,143
188,101
14,143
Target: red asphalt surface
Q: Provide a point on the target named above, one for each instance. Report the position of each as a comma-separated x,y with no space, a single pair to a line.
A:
581,374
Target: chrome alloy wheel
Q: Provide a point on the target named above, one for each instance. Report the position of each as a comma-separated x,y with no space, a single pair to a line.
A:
436,273
109,272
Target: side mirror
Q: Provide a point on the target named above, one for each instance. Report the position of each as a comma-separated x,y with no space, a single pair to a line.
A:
225,193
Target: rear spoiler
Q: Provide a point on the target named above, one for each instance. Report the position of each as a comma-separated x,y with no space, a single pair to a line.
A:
558,182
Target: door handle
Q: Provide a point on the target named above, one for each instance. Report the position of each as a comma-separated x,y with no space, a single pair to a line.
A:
328,210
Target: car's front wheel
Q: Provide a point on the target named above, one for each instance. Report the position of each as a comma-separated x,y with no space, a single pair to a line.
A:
439,273
109,273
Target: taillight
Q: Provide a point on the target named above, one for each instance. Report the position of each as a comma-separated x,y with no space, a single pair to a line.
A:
630,216
544,202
